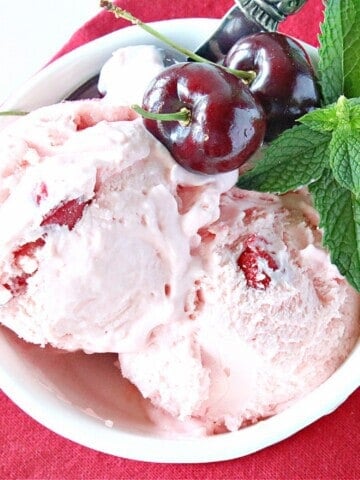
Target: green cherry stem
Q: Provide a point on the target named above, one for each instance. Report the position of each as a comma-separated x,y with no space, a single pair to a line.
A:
13,113
183,116
247,77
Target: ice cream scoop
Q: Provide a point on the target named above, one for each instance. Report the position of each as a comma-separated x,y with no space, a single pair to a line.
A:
269,319
222,305
99,253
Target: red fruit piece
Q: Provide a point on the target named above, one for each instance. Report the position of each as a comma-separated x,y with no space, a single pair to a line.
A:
285,84
29,248
18,284
251,261
225,124
68,213
41,193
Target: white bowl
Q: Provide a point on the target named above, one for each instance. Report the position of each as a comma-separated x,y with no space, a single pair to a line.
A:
81,396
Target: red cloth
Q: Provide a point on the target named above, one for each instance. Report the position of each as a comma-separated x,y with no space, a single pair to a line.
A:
328,449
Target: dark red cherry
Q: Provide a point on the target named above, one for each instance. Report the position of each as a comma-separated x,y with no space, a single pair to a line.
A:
235,26
285,84
223,125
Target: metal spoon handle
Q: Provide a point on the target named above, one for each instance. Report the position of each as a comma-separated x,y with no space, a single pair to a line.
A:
244,18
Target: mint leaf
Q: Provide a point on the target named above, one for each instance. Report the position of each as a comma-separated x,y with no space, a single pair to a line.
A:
344,158
321,119
296,158
326,119
343,120
355,118
339,63
339,211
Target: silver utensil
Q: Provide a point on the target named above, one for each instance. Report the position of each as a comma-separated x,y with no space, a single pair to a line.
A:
244,18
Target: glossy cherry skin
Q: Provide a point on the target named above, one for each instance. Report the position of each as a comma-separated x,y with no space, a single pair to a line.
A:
285,84
226,125
234,27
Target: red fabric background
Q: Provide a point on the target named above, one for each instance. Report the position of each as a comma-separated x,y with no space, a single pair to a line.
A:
328,449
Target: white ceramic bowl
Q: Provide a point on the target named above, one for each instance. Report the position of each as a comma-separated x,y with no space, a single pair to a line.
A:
81,396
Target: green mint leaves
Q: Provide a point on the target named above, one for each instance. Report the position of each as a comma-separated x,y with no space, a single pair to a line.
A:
339,211
339,63
344,152
328,138
296,158
323,151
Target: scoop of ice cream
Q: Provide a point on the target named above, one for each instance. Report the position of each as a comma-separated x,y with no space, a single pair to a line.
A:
126,75
98,226
222,304
269,318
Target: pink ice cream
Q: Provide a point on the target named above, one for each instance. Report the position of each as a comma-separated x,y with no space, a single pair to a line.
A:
221,304
268,320
94,253
126,74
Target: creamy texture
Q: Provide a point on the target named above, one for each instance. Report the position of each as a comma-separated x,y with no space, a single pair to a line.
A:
248,351
221,304
123,268
125,76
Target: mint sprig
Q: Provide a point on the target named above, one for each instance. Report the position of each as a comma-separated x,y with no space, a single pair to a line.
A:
339,60
294,159
323,151
339,211
327,119
344,158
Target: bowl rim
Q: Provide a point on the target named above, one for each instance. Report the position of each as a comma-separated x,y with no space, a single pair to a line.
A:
88,431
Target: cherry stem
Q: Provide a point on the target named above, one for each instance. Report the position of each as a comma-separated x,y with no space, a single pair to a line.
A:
183,115
247,76
13,112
